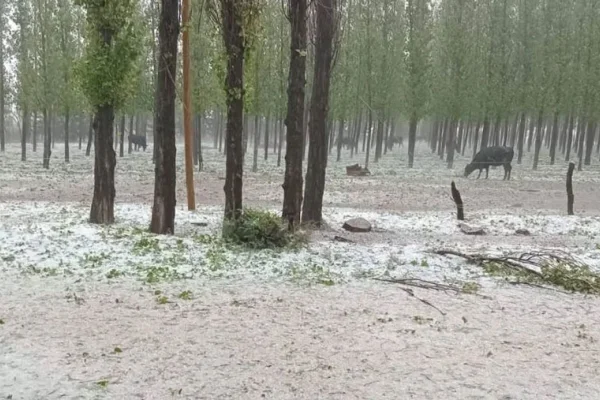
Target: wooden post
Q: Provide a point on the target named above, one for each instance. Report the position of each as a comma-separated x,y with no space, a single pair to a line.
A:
460,214
187,108
570,196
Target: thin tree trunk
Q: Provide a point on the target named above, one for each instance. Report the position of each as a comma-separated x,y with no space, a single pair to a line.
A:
90,137
24,132
267,126
412,139
554,138
280,143
34,132
130,145
485,135
521,138
340,139
256,143
122,137
538,139
569,144
589,147
67,118
163,209
368,138
450,144
47,138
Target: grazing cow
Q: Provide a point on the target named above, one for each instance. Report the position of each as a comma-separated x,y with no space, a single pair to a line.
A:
138,141
491,157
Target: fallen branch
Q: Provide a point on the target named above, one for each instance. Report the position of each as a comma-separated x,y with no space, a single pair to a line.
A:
556,268
411,293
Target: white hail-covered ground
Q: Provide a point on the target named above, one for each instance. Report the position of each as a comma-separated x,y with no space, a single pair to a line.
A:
89,312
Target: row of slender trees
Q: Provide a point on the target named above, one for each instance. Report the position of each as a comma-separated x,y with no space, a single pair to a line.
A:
484,66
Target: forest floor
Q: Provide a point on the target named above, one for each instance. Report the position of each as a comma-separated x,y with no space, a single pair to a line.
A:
90,312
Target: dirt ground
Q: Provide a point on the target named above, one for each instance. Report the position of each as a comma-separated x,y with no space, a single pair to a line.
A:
78,335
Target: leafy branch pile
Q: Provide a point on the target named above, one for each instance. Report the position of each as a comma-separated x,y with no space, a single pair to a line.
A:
258,229
557,268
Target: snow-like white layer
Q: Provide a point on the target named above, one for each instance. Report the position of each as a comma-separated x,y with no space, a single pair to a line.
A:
56,239
81,317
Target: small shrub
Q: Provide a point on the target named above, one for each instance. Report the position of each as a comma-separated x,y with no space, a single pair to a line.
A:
259,229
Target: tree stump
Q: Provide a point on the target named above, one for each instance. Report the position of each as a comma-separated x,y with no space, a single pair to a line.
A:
570,195
460,214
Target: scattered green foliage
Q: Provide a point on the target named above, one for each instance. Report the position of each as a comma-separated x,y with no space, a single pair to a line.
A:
113,273
162,300
470,287
146,245
103,383
117,350
185,295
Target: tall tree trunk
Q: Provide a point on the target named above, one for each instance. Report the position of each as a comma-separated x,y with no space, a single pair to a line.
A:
569,144
538,139
198,143
521,138
80,130
485,135
554,138
130,144
266,144
476,137
530,134
450,143
367,136
163,209
581,125
294,121
280,145
326,11
589,147
122,137
47,138
379,144
340,139
67,118
34,132
25,132
88,148
412,139
256,143
232,15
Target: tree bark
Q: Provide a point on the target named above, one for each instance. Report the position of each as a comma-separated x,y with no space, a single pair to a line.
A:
122,137
47,138
163,209
521,138
538,139
581,124
569,144
412,139
280,145
450,144
340,139
485,135
90,137
589,147
256,143
199,161
267,126
294,121
554,138
570,195
67,118
234,40
312,208
24,133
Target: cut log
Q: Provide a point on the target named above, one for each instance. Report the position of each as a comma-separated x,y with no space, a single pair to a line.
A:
357,225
